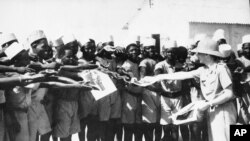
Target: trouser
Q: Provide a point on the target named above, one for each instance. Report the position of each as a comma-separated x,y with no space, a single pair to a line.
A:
158,132
170,132
184,132
148,131
114,128
46,137
92,123
83,125
130,129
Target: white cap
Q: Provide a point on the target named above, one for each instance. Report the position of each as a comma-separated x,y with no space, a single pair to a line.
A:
7,37
225,50
36,35
149,42
199,37
239,47
246,39
57,42
169,44
68,38
219,34
13,50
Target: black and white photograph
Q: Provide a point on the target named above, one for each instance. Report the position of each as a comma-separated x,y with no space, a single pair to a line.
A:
124,70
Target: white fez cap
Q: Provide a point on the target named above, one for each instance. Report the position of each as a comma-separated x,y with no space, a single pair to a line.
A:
225,50
7,37
169,44
219,34
36,35
13,50
246,39
68,38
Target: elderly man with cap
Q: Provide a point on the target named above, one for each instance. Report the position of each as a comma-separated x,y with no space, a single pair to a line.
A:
216,87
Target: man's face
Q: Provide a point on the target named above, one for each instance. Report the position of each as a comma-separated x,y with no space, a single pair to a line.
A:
73,46
169,54
90,50
246,50
149,51
133,52
22,59
41,48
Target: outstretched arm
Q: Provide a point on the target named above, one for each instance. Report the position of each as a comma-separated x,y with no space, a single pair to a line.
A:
21,70
61,79
79,67
19,80
63,85
172,76
175,76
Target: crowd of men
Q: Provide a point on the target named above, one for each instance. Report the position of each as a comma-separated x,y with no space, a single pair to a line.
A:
43,95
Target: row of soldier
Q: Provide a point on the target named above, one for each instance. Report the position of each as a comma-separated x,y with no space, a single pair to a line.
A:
37,103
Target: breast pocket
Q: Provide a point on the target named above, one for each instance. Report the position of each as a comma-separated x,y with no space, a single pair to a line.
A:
209,83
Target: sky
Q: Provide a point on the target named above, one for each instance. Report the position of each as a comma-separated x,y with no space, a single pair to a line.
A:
57,17
102,18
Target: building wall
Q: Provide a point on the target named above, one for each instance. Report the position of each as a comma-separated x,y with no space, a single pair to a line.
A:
233,32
